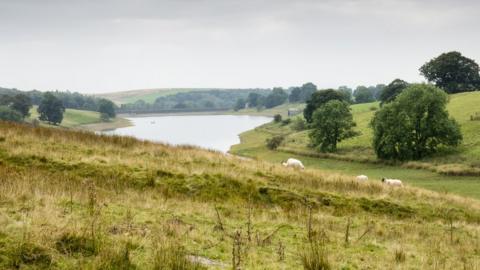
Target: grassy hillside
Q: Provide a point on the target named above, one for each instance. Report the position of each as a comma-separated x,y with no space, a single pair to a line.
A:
83,119
465,159
148,95
75,200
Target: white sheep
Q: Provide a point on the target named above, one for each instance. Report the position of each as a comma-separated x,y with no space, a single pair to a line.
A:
392,182
362,178
294,163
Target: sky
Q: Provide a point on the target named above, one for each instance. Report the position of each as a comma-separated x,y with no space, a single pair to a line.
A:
95,46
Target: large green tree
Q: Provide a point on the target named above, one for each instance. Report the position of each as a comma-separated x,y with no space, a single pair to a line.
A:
332,123
318,99
22,104
277,97
8,114
51,109
392,90
364,94
106,107
414,125
452,72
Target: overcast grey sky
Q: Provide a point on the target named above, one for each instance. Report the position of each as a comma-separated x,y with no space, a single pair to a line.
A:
110,45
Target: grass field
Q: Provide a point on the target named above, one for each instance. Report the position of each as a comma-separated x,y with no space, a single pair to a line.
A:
76,200
147,95
358,149
83,119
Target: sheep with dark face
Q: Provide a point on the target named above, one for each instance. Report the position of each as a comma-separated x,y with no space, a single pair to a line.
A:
392,182
293,163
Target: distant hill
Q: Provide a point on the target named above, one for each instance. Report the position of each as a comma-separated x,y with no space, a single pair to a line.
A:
147,95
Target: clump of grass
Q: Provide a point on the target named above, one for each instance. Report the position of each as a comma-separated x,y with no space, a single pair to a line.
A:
314,257
171,255
116,259
29,254
475,116
70,243
399,255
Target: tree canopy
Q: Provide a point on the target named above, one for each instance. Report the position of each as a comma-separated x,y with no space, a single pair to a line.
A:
8,114
452,72
106,107
414,125
318,99
51,109
364,94
392,90
277,97
332,123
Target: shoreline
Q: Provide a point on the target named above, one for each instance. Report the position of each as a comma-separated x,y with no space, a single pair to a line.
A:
118,122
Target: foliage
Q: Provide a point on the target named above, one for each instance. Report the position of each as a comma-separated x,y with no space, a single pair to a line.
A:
391,91
20,103
275,141
199,100
318,99
299,124
452,72
364,94
332,123
239,105
51,109
347,92
277,118
8,114
277,97
107,107
303,93
414,125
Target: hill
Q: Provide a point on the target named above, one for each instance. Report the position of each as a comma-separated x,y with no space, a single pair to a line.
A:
147,95
82,119
76,200
356,156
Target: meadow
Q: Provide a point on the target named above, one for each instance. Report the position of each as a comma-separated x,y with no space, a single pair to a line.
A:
75,200
452,170
147,95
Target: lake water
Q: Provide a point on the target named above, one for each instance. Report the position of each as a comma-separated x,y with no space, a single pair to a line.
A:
217,132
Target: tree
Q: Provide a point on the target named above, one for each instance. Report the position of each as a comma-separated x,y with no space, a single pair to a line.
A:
332,123
363,94
452,72
391,91
107,107
318,99
295,95
277,118
253,99
8,114
303,93
414,125
22,104
347,92
277,97
239,105
51,109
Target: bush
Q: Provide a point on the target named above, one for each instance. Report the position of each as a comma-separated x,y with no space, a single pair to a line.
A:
277,118
373,108
104,117
275,141
286,121
299,124
8,114
475,116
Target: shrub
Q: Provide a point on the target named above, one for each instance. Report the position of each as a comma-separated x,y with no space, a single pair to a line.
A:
475,116
8,114
286,121
373,108
314,257
277,118
299,124
275,141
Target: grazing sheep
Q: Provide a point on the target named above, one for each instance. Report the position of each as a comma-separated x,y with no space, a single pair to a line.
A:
294,163
392,182
362,178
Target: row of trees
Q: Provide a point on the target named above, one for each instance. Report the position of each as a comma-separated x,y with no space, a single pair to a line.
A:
50,108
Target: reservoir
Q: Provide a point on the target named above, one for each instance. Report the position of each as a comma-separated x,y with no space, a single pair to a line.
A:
217,132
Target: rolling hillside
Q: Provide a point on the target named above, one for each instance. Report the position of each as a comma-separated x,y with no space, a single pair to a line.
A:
76,200
356,156
147,95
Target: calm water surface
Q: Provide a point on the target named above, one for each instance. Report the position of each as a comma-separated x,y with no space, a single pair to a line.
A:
217,132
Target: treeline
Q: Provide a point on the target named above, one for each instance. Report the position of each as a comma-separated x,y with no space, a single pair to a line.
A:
412,122
198,100
71,100
15,105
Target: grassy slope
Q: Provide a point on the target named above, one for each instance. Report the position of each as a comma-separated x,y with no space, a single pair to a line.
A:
83,119
461,106
148,95
75,200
